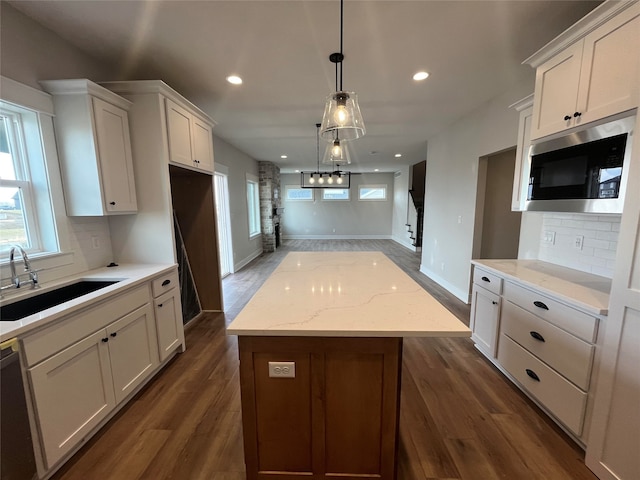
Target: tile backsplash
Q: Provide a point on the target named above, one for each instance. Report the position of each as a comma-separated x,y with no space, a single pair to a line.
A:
586,242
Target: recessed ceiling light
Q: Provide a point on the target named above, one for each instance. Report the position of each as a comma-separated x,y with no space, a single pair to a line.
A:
296,171
376,169
398,155
283,156
236,80
420,76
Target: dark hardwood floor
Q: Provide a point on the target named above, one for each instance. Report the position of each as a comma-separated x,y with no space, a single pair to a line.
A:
460,417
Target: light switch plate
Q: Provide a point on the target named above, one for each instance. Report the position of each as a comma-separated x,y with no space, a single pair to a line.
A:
282,369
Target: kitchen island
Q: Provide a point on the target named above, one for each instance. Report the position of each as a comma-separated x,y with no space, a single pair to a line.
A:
320,348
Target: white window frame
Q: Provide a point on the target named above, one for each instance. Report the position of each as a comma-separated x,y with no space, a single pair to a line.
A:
253,206
294,187
377,186
325,199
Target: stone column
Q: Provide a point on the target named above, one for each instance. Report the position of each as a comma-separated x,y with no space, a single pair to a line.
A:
270,200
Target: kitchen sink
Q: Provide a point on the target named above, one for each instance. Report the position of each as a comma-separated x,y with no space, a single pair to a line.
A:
23,308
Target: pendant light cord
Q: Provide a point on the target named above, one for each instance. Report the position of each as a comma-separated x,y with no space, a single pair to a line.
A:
318,147
341,35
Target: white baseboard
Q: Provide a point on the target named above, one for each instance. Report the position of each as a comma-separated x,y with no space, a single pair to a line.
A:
404,243
245,261
337,237
465,296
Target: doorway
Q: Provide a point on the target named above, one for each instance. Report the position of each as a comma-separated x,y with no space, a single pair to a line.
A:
224,223
497,228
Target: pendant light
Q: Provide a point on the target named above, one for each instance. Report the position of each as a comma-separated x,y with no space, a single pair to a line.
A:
335,178
342,120
336,154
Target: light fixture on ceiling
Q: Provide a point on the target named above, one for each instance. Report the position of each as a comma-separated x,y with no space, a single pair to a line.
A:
335,178
342,119
234,79
398,155
420,76
336,154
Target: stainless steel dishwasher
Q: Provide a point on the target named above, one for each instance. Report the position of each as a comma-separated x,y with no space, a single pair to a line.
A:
17,461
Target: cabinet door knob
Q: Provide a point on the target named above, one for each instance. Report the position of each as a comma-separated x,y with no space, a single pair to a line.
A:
540,305
485,279
166,282
567,117
532,374
105,340
537,336
112,203
577,114
159,305
114,334
494,302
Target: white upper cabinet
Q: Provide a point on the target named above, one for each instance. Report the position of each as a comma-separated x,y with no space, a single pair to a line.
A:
94,146
590,72
522,166
190,138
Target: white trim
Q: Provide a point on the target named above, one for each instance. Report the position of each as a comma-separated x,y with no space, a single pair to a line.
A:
245,261
25,96
587,24
465,296
83,86
222,169
337,237
404,243
374,186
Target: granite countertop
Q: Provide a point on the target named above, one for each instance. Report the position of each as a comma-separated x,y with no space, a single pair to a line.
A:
344,294
585,291
128,276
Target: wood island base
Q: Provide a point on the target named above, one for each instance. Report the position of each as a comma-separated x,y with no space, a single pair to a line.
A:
337,418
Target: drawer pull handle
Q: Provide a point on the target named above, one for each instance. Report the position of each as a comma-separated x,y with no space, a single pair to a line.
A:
485,279
105,340
166,282
114,334
537,336
540,305
533,375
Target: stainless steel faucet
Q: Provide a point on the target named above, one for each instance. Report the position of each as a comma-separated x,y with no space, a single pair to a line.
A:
15,278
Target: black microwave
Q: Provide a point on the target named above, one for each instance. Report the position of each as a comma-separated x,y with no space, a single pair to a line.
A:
582,171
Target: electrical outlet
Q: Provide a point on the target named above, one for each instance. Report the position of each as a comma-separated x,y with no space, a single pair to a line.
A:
549,237
578,242
282,369
95,241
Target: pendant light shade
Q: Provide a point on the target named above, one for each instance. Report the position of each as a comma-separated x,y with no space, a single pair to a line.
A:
336,154
342,117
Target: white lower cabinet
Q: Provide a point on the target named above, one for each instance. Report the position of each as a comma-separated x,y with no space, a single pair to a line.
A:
547,347
485,316
83,367
73,393
132,350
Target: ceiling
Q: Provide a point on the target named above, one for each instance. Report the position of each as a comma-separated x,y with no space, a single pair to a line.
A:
472,49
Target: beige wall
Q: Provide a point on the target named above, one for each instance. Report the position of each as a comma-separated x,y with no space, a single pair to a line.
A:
450,200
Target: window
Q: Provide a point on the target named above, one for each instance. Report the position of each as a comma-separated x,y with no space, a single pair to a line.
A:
335,194
372,192
296,194
253,203
18,218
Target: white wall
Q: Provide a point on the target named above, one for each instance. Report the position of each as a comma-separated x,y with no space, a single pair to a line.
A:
451,184
401,183
337,218
30,53
238,165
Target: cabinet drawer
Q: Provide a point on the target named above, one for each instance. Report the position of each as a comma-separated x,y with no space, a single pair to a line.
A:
580,324
565,353
563,399
77,326
487,280
164,283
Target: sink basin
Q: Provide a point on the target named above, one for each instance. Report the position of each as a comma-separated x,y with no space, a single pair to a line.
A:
23,308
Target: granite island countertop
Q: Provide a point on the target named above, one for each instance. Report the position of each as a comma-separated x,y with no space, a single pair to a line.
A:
344,294
126,275
586,291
